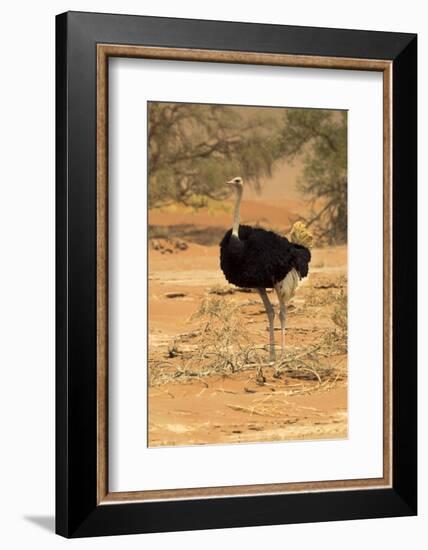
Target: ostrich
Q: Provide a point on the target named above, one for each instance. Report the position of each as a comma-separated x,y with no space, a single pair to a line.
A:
252,257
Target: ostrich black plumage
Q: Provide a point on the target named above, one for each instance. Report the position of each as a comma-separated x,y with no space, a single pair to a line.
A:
252,257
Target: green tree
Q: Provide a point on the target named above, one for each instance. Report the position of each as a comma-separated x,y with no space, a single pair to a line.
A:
319,137
194,149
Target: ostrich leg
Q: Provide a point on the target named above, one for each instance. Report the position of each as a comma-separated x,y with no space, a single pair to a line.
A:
271,316
282,315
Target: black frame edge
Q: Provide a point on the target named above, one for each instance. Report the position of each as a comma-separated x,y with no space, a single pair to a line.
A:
191,515
404,292
237,36
76,402
61,446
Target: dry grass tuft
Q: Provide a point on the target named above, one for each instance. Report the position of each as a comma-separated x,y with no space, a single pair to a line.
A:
338,338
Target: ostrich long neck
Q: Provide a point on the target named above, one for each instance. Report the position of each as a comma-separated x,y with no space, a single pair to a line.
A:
236,213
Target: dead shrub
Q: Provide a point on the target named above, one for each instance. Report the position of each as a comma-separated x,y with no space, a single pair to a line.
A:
222,345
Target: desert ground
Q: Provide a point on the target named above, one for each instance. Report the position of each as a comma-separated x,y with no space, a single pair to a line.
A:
209,378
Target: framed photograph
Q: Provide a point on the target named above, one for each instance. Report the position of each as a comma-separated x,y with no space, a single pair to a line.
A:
236,274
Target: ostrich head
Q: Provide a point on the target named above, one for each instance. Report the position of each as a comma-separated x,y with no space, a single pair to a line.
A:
236,183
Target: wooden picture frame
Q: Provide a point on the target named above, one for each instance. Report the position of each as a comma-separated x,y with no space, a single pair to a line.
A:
84,44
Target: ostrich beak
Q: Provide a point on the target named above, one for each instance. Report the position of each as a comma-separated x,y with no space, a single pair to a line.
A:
229,182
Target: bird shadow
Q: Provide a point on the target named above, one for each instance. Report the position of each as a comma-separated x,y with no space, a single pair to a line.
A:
45,522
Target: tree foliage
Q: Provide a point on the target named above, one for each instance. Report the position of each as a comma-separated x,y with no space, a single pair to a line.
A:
195,149
320,138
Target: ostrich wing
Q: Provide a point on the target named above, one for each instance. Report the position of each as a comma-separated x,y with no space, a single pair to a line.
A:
260,258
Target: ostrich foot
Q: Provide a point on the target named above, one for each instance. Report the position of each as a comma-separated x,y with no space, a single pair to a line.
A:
260,378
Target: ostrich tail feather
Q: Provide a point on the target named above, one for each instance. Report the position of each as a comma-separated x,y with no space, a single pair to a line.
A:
288,285
300,234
